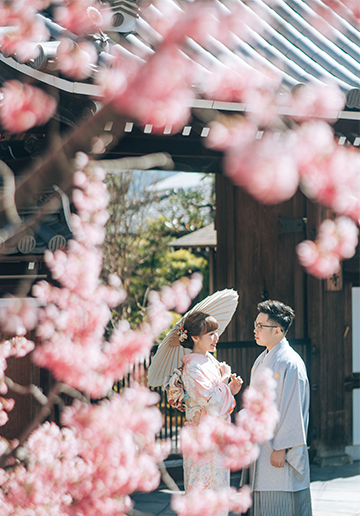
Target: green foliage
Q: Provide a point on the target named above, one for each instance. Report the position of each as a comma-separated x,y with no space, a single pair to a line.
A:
136,245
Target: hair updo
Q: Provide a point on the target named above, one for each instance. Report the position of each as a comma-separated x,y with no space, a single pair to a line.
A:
197,324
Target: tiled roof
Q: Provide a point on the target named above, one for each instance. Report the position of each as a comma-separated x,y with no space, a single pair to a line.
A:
293,40
204,237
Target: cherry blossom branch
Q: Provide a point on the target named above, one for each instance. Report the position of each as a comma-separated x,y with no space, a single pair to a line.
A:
74,393
7,199
158,159
166,478
54,170
44,412
40,396
30,389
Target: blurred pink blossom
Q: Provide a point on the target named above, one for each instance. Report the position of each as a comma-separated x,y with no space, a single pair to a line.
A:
316,101
349,9
23,31
236,444
265,168
227,137
23,106
14,347
233,81
212,503
329,172
259,415
336,240
174,22
76,314
18,315
83,16
160,93
101,454
198,22
76,59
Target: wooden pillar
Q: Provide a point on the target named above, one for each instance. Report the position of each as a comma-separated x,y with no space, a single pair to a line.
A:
329,314
225,250
211,270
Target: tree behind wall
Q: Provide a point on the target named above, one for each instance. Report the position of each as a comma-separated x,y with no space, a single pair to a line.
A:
142,222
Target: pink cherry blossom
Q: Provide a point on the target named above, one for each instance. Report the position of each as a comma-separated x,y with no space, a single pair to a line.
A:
158,95
14,347
349,9
314,143
259,415
175,23
23,31
265,169
75,315
161,15
235,443
18,316
316,101
232,81
83,16
319,171
23,106
102,453
336,240
76,60
240,133
198,22
212,503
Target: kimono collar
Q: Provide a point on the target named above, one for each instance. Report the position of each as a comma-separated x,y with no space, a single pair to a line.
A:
279,345
198,357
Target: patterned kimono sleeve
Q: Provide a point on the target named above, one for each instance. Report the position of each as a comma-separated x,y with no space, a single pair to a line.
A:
209,393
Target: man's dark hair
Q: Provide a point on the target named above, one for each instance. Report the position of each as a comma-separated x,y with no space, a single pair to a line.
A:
282,314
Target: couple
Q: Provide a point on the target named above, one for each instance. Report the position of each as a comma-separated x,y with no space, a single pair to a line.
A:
280,476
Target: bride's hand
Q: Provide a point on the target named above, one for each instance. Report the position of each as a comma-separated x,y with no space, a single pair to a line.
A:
235,384
225,369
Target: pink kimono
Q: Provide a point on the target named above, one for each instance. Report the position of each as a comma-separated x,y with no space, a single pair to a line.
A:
205,394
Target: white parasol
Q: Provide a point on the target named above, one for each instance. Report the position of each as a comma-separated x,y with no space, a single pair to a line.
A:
221,305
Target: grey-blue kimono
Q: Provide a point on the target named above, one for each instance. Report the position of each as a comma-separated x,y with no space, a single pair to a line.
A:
278,491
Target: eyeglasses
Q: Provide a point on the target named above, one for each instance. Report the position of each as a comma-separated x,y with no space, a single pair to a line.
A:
258,326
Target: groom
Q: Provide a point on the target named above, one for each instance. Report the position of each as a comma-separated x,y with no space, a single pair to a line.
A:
280,477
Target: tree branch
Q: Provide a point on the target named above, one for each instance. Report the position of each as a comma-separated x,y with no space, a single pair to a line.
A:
158,159
44,412
8,197
166,478
30,389
70,391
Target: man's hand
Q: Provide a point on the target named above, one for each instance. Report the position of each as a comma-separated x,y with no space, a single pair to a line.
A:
277,458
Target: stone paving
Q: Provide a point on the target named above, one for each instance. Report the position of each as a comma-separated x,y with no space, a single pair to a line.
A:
335,491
